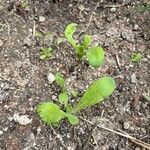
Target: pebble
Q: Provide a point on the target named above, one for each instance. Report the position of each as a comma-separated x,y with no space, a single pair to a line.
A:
136,27
113,9
42,18
81,7
5,129
22,119
131,128
50,78
126,125
2,85
38,130
1,42
1,132
127,34
137,148
27,41
133,78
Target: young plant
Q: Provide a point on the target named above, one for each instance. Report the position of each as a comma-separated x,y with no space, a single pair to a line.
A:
142,8
45,53
136,57
60,40
95,55
60,80
100,89
63,96
39,34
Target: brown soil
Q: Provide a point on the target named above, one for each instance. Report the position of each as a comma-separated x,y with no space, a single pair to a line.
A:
23,76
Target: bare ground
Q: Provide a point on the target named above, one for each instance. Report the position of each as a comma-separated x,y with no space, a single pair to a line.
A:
23,76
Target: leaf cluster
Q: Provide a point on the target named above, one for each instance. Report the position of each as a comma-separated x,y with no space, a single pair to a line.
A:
51,113
95,55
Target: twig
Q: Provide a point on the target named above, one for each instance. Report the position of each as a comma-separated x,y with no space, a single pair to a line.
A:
89,137
90,19
118,61
123,134
115,6
58,137
34,28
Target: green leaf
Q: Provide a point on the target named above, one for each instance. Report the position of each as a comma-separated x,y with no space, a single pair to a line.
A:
63,98
49,34
97,92
136,57
87,41
95,56
80,51
50,113
42,57
60,40
69,109
60,80
72,119
45,53
69,31
39,34
146,97
74,93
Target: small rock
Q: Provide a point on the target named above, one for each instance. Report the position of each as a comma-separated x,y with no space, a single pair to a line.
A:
50,78
27,41
38,130
135,27
42,18
126,125
113,9
137,148
81,7
1,42
5,129
22,120
70,5
127,34
131,128
2,85
1,132
133,78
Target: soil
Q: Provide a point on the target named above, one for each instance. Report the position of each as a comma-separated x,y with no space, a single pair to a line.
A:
118,28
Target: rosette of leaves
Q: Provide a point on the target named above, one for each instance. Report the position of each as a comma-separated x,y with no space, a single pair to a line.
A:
99,90
95,55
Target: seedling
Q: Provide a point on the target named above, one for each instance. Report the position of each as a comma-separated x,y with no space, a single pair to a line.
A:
60,80
63,98
146,97
39,34
24,3
100,89
74,93
95,55
60,40
142,8
45,53
136,57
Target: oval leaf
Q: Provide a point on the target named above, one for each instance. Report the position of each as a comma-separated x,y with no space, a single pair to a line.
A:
69,31
97,92
50,113
95,56
63,98
72,119
87,41
136,57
